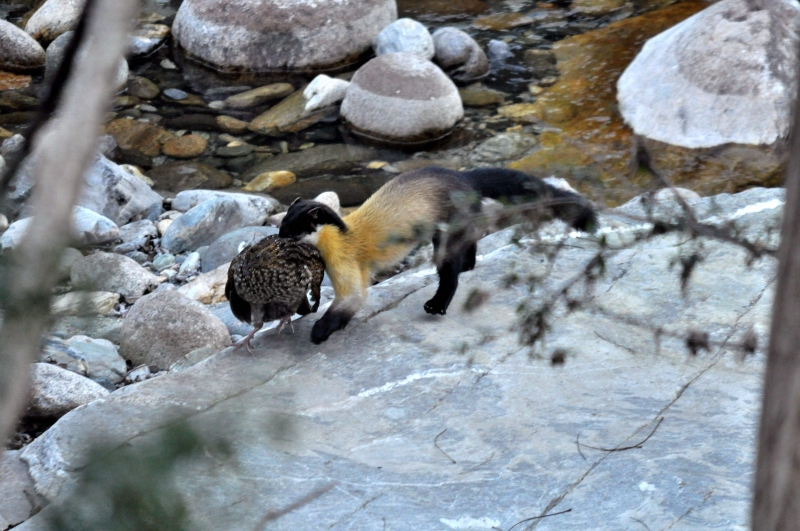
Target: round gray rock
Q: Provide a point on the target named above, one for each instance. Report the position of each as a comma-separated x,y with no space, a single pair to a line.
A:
112,272
208,221
270,35
88,228
404,35
19,52
165,325
423,102
459,54
724,75
56,391
225,248
54,18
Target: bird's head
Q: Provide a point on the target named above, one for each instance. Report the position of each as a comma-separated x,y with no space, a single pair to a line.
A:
305,218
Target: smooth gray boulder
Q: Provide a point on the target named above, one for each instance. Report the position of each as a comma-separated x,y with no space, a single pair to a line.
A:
277,35
19,52
54,18
191,198
725,75
459,54
56,391
209,220
423,102
112,272
117,194
18,498
88,228
447,422
404,35
225,248
165,325
97,359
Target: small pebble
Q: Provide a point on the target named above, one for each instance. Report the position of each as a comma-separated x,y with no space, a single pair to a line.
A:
376,165
3,223
548,81
535,89
147,108
306,146
169,65
217,105
284,146
190,265
139,374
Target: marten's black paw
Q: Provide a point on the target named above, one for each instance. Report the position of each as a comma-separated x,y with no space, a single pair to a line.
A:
435,307
330,323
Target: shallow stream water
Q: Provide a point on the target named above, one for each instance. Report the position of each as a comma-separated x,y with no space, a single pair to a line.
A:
506,29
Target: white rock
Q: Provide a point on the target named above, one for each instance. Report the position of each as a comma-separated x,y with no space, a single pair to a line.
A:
19,52
459,54
54,18
117,194
85,303
163,326
423,102
208,288
88,228
330,199
190,265
270,35
724,75
56,391
404,35
112,272
323,92
191,198
3,223
163,226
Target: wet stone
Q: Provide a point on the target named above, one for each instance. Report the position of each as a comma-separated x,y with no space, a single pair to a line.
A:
259,96
231,125
141,87
146,38
225,248
231,151
18,51
185,147
178,176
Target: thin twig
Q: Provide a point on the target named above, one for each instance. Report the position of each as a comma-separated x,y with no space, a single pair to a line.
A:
305,500
436,444
539,517
622,449
578,445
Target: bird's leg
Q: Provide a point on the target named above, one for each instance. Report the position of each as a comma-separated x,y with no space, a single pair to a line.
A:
257,317
284,320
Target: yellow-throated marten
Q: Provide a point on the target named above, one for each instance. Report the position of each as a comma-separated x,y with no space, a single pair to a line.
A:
388,226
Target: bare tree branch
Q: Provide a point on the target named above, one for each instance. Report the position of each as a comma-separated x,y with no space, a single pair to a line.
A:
776,504
62,151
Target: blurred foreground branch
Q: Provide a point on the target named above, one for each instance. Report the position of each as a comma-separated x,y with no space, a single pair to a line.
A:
776,504
62,151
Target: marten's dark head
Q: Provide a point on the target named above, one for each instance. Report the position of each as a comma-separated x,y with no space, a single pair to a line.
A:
305,217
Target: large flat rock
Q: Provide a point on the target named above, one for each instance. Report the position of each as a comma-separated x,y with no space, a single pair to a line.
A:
447,422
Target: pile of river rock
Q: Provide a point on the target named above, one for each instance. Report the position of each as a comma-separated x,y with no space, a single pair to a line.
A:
145,292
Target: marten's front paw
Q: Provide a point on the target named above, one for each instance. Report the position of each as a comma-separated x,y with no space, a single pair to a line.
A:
435,307
330,323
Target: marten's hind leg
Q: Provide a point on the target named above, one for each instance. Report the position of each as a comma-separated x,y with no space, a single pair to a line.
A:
459,257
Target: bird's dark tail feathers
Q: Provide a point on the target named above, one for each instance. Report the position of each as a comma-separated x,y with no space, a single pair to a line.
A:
516,186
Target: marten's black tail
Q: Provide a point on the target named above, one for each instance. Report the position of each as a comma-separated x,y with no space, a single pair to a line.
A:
516,186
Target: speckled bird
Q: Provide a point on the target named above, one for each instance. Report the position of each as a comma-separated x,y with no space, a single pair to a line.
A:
270,279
